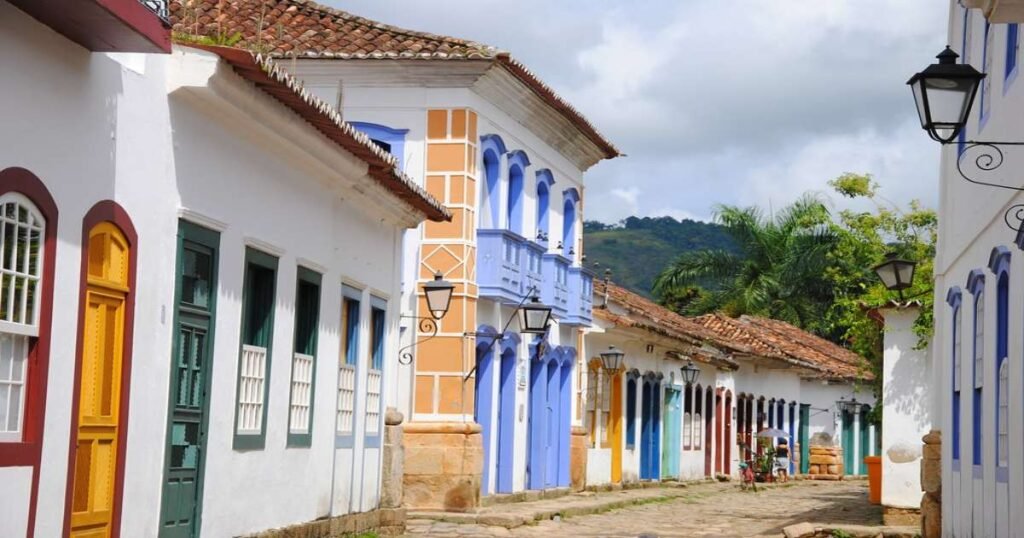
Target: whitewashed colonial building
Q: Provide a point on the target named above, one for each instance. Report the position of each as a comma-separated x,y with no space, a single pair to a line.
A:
979,287
645,423
506,156
201,284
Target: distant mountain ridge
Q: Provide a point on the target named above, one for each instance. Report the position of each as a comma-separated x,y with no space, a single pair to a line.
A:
637,249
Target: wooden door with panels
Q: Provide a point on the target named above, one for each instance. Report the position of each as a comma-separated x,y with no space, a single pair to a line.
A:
97,453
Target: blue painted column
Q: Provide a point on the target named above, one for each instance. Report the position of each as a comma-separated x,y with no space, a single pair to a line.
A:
554,417
483,412
506,421
565,421
535,464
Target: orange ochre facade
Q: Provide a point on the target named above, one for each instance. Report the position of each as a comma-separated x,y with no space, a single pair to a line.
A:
449,247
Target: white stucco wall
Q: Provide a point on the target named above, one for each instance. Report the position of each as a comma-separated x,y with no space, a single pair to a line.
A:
971,224
905,412
95,127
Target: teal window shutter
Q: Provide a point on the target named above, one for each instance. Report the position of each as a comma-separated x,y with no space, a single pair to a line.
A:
258,298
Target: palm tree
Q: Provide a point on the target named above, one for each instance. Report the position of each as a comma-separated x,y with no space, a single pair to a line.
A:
779,271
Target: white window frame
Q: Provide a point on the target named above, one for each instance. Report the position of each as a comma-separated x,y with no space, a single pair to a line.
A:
301,391
14,368
251,397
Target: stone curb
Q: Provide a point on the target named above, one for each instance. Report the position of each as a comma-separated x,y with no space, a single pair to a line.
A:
823,530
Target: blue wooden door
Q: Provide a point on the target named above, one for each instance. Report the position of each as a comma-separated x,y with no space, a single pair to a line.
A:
484,399
535,464
554,412
565,423
506,421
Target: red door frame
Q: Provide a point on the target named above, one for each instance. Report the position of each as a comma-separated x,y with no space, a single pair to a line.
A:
709,415
727,453
28,453
104,211
718,430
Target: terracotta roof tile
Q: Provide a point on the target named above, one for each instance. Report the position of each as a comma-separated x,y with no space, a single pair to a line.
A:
383,166
831,358
306,29
658,319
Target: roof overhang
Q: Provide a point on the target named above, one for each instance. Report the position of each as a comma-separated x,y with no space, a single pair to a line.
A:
224,77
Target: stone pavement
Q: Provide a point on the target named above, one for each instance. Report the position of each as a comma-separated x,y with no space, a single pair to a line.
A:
704,509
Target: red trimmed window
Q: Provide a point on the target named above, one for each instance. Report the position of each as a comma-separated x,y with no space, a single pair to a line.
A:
22,232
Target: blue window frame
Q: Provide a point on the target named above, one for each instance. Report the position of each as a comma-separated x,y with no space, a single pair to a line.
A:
954,299
492,148
378,313
544,182
999,263
976,285
1012,46
517,165
570,198
386,138
350,337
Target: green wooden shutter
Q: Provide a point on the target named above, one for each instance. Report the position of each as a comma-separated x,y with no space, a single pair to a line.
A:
307,323
258,298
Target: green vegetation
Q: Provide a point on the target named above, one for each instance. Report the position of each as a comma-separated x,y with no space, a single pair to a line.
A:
637,249
810,268
779,271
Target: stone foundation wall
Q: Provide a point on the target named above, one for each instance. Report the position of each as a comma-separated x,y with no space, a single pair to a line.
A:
578,459
444,463
931,483
393,455
825,463
385,522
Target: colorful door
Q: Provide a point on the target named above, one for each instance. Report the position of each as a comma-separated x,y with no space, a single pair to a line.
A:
709,415
553,412
805,441
484,401
506,421
846,421
865,441
650,439
97,455
180,507
615,436
671,451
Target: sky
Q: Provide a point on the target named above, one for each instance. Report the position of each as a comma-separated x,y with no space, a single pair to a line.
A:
751,102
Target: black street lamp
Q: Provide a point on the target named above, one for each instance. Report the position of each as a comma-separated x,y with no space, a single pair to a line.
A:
439,295
534,317
896,274
611,360
689,372
944,93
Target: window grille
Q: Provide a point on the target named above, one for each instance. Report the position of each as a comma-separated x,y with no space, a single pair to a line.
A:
250,392
302,385
346,398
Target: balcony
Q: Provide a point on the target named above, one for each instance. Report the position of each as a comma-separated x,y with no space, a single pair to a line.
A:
581,297
499,265
554,289
532,266
106,25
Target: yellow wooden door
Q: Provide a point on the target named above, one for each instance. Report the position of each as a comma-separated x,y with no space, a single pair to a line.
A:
616,428
99,395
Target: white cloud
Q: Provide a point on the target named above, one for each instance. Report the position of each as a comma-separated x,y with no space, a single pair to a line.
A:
719,102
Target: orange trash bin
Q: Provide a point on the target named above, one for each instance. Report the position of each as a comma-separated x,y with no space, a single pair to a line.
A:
874,464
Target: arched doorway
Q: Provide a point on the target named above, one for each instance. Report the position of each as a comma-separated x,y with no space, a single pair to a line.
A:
650,439
671,450
102,373
507,412
727,448
709,417
718,430
483,411
536,463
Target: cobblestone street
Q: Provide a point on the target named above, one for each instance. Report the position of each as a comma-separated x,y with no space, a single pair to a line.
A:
698,510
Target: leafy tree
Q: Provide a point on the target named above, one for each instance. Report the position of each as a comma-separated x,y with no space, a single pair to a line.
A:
865,238
779,270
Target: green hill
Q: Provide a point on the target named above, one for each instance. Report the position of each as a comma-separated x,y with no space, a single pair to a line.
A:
637,249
